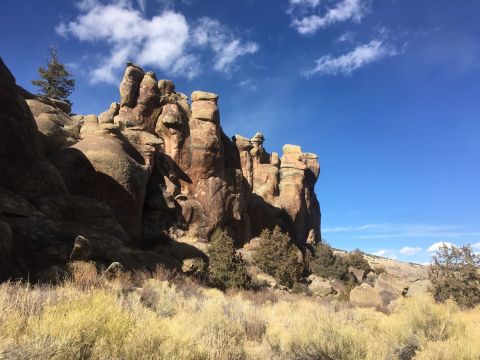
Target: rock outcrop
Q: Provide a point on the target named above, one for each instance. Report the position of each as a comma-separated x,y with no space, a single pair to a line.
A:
145,182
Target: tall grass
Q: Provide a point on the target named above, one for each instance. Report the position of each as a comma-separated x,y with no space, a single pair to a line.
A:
165,317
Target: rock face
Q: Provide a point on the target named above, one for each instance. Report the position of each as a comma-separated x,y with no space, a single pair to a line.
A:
146,175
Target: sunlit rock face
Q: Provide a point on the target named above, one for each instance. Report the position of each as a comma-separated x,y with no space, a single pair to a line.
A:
153,167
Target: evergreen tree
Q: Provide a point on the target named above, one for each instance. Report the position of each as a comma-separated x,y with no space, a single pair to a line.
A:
56,82
277,256
226,268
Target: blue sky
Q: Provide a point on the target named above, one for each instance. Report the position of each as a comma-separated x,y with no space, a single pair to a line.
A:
386,92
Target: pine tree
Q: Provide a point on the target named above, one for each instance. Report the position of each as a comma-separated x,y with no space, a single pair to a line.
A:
56,82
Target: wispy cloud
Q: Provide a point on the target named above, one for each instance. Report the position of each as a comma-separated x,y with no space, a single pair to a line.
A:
163,41
227,48
356,228
248,84
345,64
408,234
308,16
392,230
346,37
408,250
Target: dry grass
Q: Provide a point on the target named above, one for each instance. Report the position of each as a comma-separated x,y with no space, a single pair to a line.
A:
167,317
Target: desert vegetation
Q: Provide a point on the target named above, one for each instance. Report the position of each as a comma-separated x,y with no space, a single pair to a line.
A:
326,264
455,274
277,256
166,316
226,268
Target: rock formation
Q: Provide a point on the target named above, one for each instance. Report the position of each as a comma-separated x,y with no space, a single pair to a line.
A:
146,181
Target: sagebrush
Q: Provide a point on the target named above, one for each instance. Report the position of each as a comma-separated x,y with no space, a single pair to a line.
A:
158,319
455,274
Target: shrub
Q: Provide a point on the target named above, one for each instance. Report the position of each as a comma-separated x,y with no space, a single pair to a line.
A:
84,274
357,260
327,265
278,257
226,267
455,274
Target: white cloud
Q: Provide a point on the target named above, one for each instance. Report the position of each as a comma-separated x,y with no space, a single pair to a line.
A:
306,3
347,36
385,253
435,246
209,32
162,42
248,84
342,11
476,246
407,250
380,252
360,56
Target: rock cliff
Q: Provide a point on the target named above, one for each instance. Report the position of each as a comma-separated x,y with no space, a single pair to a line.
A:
144,182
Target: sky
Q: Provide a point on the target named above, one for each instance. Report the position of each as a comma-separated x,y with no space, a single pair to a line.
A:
386,92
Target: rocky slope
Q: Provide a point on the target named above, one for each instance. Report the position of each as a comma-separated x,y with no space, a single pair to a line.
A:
145,182
388,281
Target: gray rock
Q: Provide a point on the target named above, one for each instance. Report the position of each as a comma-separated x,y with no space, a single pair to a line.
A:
82,249
359,274
113,270
320,287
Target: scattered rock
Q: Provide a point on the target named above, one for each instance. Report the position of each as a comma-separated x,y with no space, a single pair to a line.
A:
358,274
371,278
320,287
113,270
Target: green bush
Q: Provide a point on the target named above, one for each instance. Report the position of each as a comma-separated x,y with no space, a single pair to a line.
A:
226,268
326,264
455,274
357,260
278,257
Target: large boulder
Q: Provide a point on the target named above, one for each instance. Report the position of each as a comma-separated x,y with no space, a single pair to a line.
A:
57,129
365,296
418,288
6,250
21,150
320,287
390,287
120,179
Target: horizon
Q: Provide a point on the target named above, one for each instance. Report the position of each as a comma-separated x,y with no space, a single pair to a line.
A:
383,92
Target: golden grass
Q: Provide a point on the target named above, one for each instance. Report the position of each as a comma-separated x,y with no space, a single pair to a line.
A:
140,317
